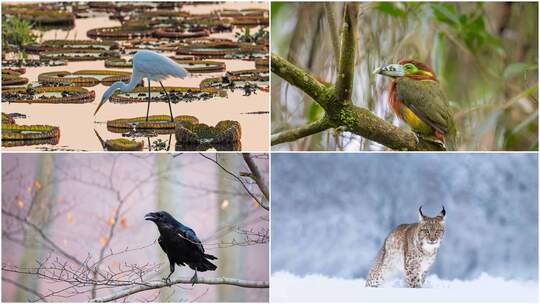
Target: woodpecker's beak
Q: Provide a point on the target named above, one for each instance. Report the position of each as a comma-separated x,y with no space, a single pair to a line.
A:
390,70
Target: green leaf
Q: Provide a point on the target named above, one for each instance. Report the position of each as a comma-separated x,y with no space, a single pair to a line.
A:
446,12
517,68
314,112
391,9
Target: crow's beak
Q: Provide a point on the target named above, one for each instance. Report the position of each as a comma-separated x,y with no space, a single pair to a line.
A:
150,217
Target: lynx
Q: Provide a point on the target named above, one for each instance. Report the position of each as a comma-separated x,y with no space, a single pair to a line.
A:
410,249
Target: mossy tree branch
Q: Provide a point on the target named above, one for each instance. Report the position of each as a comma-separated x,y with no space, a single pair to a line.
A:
345,73
302,131
337,103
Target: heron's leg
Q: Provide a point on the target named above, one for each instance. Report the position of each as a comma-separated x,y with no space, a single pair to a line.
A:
149,144
148,108
169,99
194,279
169,144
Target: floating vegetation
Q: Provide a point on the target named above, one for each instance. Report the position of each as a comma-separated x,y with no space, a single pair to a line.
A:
120,33
177,94
173,33
193,134
14,132
248,12
260,37
202,66
247,80
78,55
85,78
7,119
69,45
32,63
222,50
192,66
120,144
262,63
41,16
12,77
250,21
66,94
151,44
123,144
161,124
118,63
211,24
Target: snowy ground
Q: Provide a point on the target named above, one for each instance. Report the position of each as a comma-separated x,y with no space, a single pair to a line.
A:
287,287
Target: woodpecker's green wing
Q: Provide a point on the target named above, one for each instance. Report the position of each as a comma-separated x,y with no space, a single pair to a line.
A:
427,101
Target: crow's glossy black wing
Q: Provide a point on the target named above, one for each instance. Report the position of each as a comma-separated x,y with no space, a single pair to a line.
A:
190,236
162,244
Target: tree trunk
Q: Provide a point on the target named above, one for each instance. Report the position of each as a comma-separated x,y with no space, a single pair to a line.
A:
231,259
40,208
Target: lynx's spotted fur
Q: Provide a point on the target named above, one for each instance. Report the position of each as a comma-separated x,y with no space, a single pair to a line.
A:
410,249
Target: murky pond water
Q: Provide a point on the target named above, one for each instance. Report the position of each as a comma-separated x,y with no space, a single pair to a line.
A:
78,125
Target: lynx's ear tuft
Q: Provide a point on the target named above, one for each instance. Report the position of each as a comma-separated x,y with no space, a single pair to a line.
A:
443,212
421,215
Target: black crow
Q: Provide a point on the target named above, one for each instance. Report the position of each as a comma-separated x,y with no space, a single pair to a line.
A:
181,244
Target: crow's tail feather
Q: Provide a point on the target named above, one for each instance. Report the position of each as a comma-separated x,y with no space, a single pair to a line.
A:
210,257
206,265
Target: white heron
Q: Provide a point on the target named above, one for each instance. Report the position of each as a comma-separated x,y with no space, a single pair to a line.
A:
149,65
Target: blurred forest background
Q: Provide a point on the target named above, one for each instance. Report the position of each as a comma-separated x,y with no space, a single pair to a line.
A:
334,224
86,211
484,53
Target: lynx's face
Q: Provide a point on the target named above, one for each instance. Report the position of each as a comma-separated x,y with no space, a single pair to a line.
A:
431,230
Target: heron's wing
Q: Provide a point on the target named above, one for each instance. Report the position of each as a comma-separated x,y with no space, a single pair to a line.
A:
156,66
427,101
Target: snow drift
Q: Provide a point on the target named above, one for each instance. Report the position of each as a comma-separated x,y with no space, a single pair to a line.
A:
287,287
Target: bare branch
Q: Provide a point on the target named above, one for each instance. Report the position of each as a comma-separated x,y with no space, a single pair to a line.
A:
331,18
160,284
43,236
21,286
238,179
256,175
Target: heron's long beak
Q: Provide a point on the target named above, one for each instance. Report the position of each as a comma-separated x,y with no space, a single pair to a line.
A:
99,106
391,70
150,216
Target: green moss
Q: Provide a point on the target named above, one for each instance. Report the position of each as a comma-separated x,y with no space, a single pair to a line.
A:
347,118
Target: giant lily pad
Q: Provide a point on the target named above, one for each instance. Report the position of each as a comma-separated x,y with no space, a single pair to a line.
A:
177,94
19,135
159,123
64,45
85,78
190,134
61,94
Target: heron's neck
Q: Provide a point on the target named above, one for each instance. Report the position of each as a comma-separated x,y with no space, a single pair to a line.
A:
135,79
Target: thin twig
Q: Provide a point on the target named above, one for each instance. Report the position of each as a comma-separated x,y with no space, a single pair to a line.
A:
239,180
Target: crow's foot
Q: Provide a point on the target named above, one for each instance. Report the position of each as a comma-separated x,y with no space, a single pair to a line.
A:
194,279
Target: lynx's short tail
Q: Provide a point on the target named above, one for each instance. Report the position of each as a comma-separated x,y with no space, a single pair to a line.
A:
375,277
